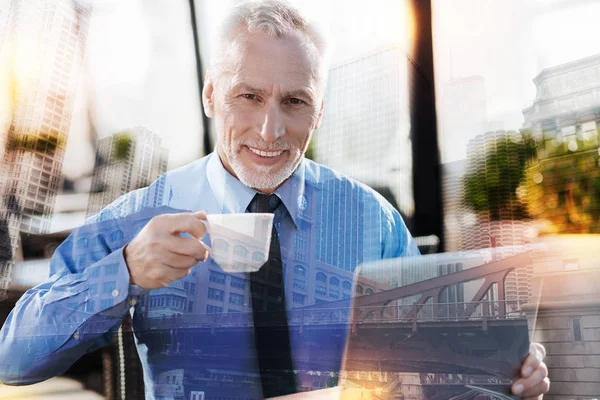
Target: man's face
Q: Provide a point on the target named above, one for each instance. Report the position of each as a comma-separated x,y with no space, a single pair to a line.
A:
266,102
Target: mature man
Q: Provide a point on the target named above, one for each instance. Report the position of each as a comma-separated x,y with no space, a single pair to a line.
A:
264,91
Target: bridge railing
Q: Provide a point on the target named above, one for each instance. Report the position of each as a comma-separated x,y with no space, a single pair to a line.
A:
483,310
391,313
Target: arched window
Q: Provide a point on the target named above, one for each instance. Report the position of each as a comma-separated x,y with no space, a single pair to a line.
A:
321,277
258,256
220,244
240,251
346,285
359,289
299,271
333,281
369,291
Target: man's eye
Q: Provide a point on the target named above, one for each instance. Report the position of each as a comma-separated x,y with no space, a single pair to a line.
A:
294,100
249,96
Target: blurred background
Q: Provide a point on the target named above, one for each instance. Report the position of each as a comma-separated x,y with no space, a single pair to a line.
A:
478,120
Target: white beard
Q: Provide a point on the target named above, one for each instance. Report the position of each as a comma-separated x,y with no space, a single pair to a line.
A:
263,177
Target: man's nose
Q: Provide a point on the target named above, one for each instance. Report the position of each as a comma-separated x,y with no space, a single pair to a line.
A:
272,125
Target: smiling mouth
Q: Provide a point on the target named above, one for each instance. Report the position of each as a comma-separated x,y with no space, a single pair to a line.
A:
268,154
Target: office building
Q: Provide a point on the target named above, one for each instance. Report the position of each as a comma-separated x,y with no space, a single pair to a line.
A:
126,161
365,128
42,49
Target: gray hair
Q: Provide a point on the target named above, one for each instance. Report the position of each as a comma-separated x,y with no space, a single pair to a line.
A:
273,17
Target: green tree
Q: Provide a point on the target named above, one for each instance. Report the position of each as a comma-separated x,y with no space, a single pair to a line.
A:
492,187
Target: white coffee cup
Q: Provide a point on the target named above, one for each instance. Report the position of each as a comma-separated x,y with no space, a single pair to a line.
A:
239,242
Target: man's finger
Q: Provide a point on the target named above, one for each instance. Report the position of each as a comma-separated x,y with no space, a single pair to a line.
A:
179,261
185,223
537,352
536,392
186,247
524,385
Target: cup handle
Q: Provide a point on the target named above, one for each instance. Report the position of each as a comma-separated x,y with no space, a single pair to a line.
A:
207,247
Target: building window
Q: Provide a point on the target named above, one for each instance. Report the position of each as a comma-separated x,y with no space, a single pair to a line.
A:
321,290
82,243
192,288
299,284
238,282
240,251
216,294
299,256
97,255
237,299
108,287
217,277
321,277
116,236
300,242
210,309
333,281
258,256
369,291
111,269
359,289
220,244
334,294
346,285
577,334
300,271
299,298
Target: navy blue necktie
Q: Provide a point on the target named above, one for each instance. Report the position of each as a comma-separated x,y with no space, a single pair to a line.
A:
271,333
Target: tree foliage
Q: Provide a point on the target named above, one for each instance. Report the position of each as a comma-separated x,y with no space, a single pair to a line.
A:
492,186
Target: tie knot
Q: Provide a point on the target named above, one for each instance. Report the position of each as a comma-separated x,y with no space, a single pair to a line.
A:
264,203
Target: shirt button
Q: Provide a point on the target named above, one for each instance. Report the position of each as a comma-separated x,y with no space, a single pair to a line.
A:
132,302
76,336
115,293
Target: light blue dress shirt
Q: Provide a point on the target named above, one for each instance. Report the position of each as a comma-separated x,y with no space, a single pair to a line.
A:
196,334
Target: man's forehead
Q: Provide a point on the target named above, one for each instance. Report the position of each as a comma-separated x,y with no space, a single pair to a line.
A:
261,61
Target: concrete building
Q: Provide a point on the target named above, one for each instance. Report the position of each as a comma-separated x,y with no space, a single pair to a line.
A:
506,226
126,161
565,316
563,186
456,214
365,129
42,48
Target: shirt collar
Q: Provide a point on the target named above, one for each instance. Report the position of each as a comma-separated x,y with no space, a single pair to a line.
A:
233,196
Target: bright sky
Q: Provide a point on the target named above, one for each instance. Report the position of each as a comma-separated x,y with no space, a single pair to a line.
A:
508,43
141,67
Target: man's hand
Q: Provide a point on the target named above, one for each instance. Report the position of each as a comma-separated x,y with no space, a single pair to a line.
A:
159,255
534,380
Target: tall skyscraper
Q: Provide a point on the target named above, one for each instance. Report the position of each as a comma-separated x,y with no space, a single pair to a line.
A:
456,214
126,161
500,225
365,129
42,50
462,115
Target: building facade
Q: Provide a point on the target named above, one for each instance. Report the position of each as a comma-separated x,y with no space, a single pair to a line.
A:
501,225
566,315
126,161
42,49
563,185
365,129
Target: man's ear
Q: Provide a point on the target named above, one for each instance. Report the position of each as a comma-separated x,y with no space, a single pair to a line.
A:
207,97
320,116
